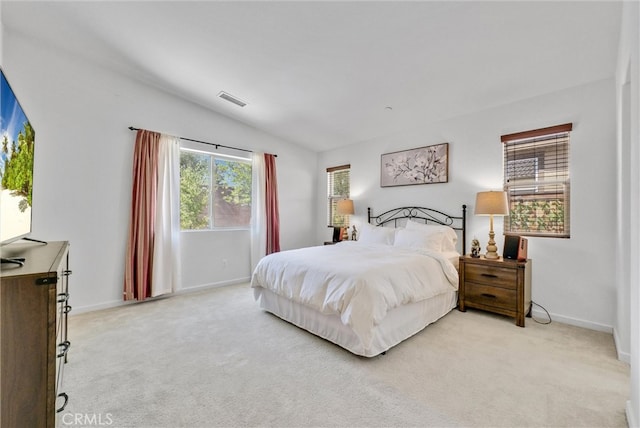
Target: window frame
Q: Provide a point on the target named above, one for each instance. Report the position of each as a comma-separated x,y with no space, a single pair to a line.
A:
332,199
547,190
213,156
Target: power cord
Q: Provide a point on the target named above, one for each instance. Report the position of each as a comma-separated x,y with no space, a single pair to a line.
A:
548,316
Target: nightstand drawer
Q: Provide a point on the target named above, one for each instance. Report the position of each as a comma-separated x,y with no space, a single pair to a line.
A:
491,275
490,296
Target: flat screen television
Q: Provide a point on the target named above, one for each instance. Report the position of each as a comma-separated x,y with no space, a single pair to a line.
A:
16,166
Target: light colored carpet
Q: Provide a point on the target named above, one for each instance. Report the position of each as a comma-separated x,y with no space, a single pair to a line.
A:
214,358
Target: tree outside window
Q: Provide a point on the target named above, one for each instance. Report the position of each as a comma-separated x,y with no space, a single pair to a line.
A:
215,191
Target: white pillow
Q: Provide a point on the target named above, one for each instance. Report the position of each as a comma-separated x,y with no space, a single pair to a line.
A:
421,239
369,234
449,237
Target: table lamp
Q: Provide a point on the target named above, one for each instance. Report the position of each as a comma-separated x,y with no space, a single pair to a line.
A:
492,203
345,207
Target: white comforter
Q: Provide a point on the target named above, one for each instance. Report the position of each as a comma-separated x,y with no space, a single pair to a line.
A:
358,282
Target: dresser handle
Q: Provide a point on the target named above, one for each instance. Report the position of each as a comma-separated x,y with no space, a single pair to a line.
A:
490,296
65,347
66,400
63,297
489,275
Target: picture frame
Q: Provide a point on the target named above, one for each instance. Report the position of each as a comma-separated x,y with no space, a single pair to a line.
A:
423,165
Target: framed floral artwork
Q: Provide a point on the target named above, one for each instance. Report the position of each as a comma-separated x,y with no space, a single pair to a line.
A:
424,165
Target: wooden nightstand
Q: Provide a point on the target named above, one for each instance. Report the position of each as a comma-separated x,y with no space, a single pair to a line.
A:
499,286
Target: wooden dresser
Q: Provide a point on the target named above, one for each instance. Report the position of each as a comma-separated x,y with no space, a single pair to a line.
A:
34,302
499,286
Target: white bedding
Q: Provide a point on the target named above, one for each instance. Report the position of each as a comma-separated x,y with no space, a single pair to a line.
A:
399,324
359,283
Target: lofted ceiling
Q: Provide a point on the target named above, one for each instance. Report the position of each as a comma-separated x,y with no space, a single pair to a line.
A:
328,73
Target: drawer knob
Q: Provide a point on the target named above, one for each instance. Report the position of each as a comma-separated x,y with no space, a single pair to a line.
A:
66,400
63,297
67,309
65,347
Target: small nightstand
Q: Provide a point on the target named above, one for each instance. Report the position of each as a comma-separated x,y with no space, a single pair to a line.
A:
499,286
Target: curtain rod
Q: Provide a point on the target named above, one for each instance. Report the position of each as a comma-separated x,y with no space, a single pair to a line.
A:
217,146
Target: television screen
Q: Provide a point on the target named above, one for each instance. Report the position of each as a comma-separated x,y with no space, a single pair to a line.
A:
16,166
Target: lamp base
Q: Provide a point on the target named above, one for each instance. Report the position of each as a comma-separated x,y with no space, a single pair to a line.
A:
491,255
492,249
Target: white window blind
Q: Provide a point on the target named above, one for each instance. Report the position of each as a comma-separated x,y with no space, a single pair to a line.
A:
537,182
338,187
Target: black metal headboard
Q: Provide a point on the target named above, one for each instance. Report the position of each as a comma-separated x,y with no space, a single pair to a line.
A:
428,215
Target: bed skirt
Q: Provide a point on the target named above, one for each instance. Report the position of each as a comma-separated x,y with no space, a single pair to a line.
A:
399,324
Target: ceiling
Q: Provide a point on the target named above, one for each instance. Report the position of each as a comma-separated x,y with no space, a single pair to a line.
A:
327,73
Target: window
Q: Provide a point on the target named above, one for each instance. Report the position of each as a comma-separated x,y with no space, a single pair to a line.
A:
338,186
536,179
215,191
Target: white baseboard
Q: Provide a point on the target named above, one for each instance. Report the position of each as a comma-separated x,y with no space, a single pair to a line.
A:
116,303
212,285
540,314
631,420
622,356
77,310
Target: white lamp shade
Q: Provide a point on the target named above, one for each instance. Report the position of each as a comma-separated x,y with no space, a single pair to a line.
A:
492,203
345,207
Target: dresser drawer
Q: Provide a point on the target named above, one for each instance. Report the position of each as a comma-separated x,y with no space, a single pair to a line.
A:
490,296
491,275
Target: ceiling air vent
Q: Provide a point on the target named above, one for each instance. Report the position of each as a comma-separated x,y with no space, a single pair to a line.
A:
231,99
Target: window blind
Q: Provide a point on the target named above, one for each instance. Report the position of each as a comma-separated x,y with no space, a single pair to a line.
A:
338,187
537,182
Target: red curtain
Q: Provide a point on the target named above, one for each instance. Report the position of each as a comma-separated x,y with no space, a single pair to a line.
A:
139,258
271,202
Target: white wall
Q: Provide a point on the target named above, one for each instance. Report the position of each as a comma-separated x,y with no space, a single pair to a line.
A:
573,278
627,326
82,184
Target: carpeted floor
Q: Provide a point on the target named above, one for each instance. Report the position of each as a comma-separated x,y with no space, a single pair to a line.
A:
213,358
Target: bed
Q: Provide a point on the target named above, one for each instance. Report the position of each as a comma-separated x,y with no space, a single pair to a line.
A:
369,295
